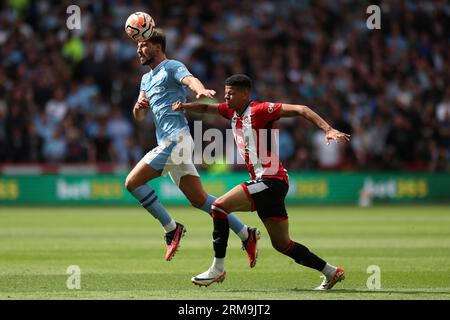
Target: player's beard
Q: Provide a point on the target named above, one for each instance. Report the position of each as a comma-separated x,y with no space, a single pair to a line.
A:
231,105
148,61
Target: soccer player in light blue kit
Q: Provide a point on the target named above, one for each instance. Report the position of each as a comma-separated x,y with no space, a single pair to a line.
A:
160,88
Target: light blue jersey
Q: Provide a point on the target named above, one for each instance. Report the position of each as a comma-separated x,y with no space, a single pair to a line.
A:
163,87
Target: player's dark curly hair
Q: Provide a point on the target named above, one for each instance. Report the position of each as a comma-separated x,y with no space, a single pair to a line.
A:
240,81
158,37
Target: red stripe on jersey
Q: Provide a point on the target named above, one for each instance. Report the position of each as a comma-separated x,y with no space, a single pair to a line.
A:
248,130
263,116
242,146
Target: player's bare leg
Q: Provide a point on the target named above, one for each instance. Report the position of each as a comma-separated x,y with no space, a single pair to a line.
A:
237,200
136,184
234,200
279,236
139,175
278,232
192,188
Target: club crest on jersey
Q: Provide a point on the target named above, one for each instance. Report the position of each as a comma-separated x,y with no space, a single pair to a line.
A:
270,108
247,120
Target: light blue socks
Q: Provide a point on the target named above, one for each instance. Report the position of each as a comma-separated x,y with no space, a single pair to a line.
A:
149,200
235,224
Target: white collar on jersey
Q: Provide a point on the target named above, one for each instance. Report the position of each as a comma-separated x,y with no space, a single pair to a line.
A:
159,66
243,111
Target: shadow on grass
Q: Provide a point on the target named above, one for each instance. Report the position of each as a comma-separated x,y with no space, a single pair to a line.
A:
349,291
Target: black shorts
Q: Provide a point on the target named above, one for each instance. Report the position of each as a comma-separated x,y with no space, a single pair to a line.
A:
267,197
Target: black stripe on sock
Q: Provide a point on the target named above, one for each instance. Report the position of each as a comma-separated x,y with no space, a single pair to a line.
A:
151,202
147,196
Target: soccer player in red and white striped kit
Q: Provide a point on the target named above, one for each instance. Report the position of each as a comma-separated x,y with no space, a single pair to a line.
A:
252,123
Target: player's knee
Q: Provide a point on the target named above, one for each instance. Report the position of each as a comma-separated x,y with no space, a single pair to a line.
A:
280,245
130,184
197,201
220,201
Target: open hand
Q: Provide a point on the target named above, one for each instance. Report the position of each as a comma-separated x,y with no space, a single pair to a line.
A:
336,135
205,93
177,106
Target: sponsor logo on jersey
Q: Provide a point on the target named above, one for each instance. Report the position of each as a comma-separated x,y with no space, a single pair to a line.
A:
270,108
158,89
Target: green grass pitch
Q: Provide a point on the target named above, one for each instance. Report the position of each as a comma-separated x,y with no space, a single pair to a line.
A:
120,251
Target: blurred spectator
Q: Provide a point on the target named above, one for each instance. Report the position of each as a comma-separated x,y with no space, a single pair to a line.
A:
76,147
34,145
119,129
286,143
56,108
101,149
3,133
400,138
361,144
303,161
443,108
55,147
329,157
17,146
389,88
134,151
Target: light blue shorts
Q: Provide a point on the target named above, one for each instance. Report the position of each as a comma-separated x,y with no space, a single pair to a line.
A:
173,157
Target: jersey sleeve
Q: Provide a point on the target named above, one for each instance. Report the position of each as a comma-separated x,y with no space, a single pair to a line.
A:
143,82
225,111
179,71
269,111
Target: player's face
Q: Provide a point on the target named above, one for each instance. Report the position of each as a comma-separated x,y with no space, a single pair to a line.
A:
236,98
146,52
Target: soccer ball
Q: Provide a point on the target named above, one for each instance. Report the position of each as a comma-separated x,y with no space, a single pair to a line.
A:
139,26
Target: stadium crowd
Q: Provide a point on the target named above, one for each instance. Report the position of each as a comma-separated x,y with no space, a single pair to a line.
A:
66,95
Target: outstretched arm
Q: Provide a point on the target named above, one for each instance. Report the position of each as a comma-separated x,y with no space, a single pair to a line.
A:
291,110
195,85
196,107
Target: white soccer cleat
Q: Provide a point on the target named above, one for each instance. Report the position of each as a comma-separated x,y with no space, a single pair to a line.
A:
208,277
329,283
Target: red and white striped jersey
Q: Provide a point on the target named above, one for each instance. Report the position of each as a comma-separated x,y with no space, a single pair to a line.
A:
256,141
